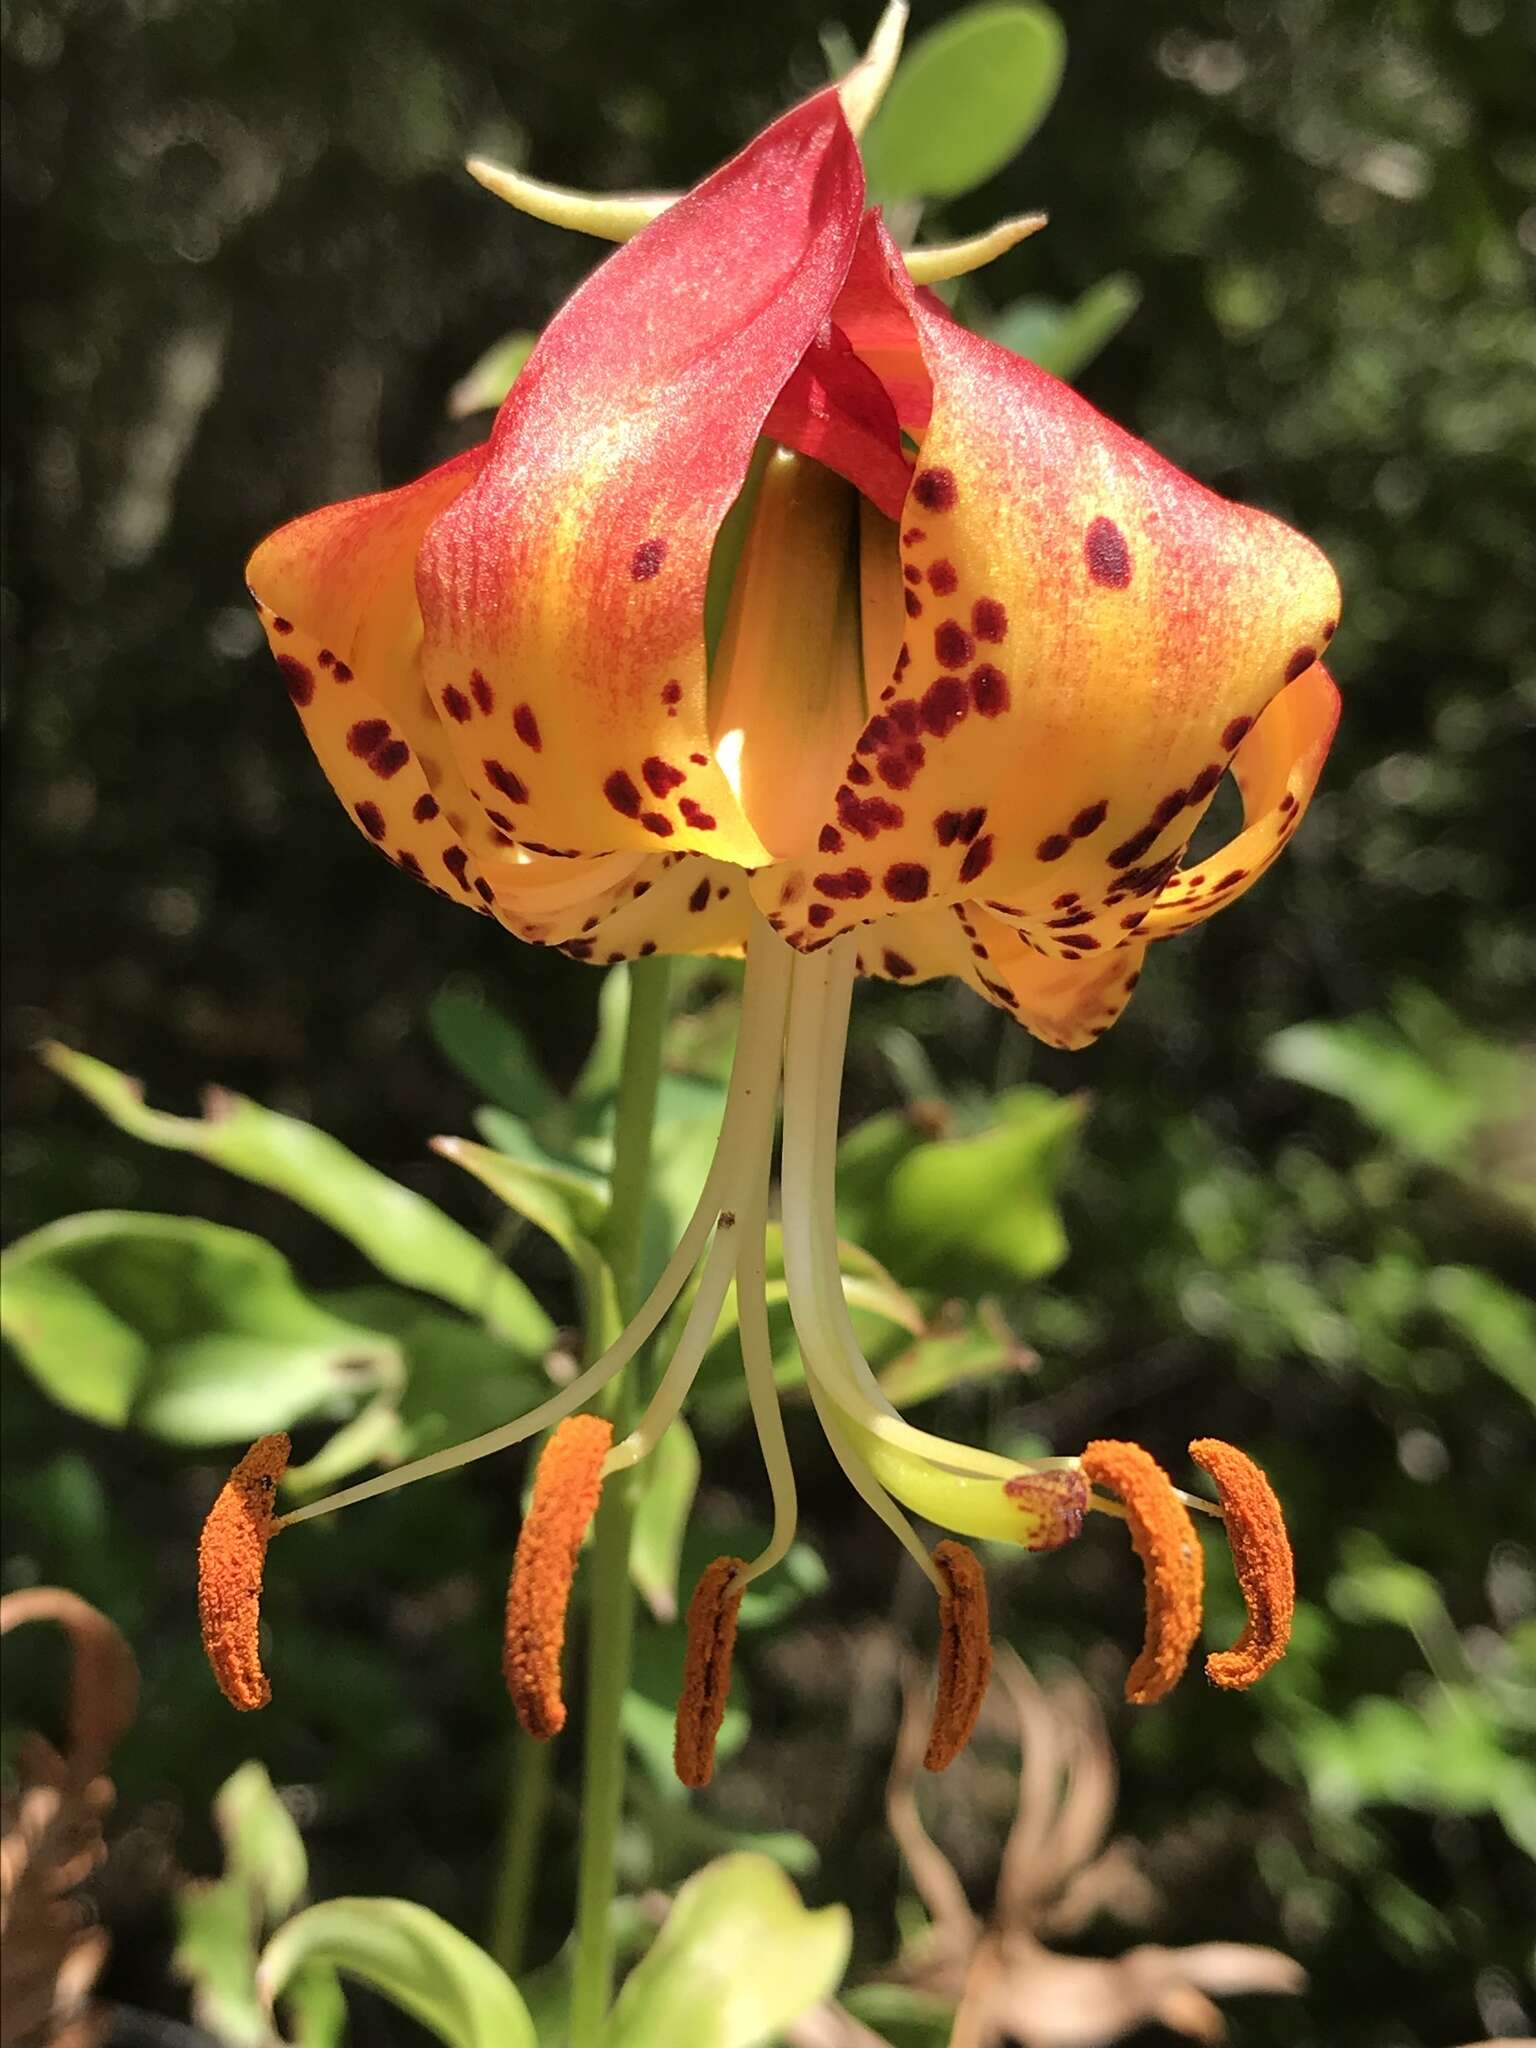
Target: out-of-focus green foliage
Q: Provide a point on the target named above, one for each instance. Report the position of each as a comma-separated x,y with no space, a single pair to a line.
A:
244,272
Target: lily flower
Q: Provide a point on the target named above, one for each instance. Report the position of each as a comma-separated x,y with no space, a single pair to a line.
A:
780,615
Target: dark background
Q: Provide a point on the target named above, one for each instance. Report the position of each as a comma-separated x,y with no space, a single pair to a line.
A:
244,270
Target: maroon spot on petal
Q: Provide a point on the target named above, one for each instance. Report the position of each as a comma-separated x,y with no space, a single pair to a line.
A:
407,861
371,818
820,913
1107,556
301,684
640,889
944,704
389,759
1330,627
1299,663
484,890
846,886
481,691
1053,847
579,949
989,690
695,815
660,776
456,860
672,692
282,625
989,620
512,786
952,644
653,821
1133,848
341,672
501,819
1237,875
1232,733
1089,820
830,841
913,535
699,900
1204,782
943,579
913,603
978,859
1287,802
935,490
866,816
621,792
1071,920
907,880
647,559
912,573
897,964
1166,809
456,704
366,737
1081,941
906,716
898,768
526,726
424,809
1131,919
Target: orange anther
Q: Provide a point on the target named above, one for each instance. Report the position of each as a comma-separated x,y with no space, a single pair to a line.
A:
566,1489
231,1558
1171,1558
712,1614
965,1654
1261,1553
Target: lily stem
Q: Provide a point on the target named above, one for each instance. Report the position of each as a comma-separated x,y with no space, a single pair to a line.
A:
610,1627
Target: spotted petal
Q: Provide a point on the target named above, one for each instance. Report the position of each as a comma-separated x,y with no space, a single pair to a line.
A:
570,577
1089,637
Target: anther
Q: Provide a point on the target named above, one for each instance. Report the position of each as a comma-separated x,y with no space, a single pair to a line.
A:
712,1615
1171,1558
566,1489
965,1654
1261,1554
231,1559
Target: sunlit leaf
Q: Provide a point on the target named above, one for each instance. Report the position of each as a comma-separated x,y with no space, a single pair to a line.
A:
1065,339
965,99
187,1329
403,1234
262,1844
412,1958
738,1959
490,1050
669,1479
484,386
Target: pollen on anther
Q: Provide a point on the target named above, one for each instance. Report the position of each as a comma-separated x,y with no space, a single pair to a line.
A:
712,1614
566,1489
1261,1556
965,1654
231,1559
1171,1558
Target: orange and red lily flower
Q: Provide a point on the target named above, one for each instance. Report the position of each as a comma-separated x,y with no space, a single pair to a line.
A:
781,614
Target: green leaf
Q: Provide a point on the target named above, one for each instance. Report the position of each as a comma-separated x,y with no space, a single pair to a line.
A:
414,1959
406,1237
489,1050
981,1208
670,1478
903,2017
216,1956
1499,1323
192,1331
738,1959
262,1844
484,386
1065,339
965,99
980,1346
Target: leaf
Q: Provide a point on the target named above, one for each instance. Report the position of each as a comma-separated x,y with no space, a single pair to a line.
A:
407,1237
489,1050
484,386
980,1347
981,1208
192,1331
965,99
414,1959
263,1848
738,1959
1065,339
1499,1323
216,1955
903,2017
670,1480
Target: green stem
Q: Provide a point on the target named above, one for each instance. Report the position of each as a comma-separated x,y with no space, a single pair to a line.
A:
529,1781
611,1613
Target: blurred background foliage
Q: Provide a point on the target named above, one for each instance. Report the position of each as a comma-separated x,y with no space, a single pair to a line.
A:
1289,1200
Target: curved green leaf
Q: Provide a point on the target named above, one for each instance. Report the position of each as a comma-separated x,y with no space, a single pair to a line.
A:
414,1959
195,1332
966,98
738,1960
406,1236
1065,339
